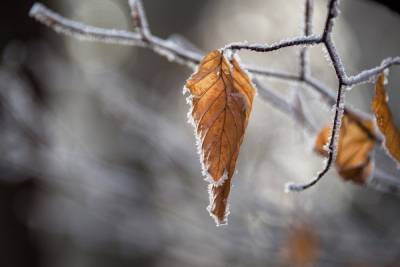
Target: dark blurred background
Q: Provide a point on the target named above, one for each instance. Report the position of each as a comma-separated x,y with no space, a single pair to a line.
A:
98,166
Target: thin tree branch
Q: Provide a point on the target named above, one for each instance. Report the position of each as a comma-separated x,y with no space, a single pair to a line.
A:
336,60
309,9
304,68
271,73
370,74
333,12
82,31
326,92
140,19
297,41
331,146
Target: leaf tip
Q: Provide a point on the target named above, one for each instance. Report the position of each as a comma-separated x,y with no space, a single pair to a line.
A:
219,206
219,221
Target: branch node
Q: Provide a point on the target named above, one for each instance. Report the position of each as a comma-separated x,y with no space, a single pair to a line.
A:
139,19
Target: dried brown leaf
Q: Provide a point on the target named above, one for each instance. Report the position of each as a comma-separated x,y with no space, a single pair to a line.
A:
301,248
353,160
221,97
384,120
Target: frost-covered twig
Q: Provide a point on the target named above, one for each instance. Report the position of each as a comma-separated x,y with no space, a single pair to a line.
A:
308,11
308,16
370,74
180,54
333,12
82,31
302,40
140,19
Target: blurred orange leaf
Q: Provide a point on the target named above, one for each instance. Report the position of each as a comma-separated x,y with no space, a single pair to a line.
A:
301,248
385,121
353,161
221,97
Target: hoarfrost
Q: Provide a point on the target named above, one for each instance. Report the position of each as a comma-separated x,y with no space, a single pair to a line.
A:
210,207
251,79
82,31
